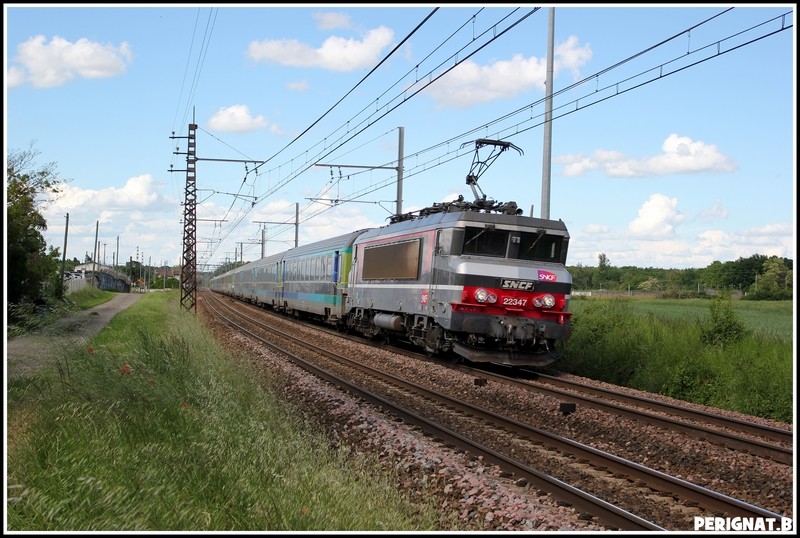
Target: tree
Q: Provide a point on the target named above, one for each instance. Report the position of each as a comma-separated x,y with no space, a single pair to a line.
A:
28,264
651,284
774,283
581,277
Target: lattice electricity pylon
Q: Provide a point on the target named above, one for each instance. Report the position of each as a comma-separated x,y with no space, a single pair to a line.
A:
189,267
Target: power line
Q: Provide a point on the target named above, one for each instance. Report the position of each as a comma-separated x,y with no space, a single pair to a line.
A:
391,53
311,162
581,102
574,105
516,129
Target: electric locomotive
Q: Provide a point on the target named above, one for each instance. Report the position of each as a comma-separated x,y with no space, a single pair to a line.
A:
477,280
488,287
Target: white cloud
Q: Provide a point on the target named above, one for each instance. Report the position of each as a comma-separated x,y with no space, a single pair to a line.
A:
597,229
471,83
331,20
336,53
715,212
47,65
341,219
138,192
723,246
680,155
657,218
129,214
571,56
15,77
298,85
773,230
671,251
237,119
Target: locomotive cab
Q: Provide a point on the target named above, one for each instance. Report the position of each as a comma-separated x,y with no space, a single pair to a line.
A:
489,288
510,290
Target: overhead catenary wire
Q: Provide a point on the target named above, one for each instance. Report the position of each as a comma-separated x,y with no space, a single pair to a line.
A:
522,126
575,104
365,77
196,77
392,52
310,162
307,129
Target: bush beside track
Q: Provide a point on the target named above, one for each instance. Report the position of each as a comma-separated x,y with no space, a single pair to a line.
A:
702,351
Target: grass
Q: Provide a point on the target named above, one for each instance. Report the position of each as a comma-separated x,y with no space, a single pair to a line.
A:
26,318
731,355
153,427
769,318
89,297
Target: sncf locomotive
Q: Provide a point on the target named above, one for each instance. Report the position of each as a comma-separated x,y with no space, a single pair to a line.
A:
475,280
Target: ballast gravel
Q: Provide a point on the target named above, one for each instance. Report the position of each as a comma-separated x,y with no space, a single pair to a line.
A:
478,495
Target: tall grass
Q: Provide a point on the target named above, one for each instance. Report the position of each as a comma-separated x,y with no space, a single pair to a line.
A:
716,359
154,427
26,317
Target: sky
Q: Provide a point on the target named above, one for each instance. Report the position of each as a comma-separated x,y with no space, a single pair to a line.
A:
671,143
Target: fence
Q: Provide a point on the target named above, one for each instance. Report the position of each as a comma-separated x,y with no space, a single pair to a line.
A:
72,285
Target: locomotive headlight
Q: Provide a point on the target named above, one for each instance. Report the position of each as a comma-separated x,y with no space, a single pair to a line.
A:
483,296
547,301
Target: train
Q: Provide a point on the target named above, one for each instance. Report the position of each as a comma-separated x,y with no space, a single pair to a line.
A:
475,281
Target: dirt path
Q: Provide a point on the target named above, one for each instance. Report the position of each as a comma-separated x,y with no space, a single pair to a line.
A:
26,353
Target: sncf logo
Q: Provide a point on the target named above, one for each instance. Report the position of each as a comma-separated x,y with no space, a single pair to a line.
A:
509,284
547,276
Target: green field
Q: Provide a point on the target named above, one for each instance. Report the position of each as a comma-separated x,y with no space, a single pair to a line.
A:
770,318
736,355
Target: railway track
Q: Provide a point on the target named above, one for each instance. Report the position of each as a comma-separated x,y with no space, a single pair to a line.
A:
514,445
735,434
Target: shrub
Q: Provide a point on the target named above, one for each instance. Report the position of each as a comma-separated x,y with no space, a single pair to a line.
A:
724,328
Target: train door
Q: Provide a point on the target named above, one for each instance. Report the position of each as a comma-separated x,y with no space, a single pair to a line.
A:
335,277
337,292
281,284
436,301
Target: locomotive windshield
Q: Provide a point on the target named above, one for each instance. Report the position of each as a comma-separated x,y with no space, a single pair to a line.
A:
513,244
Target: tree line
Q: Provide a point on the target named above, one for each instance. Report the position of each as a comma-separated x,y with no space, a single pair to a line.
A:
34,269
757,277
